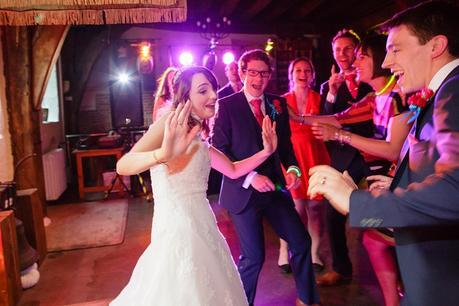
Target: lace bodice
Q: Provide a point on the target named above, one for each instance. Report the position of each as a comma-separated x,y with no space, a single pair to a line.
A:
186,176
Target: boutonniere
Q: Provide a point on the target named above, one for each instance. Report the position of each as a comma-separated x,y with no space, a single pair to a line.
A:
276,108
418,101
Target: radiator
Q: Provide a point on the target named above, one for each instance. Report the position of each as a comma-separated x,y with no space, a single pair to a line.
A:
55,174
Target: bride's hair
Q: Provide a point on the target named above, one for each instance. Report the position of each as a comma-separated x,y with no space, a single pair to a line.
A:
182,87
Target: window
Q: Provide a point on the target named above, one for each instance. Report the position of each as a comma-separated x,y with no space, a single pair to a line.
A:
50,103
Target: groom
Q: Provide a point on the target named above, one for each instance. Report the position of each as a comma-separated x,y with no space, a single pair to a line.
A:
237,133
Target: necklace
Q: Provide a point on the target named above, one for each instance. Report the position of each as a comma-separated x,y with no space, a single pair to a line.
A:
388,84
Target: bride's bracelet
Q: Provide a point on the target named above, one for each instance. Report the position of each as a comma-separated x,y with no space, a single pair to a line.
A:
157,161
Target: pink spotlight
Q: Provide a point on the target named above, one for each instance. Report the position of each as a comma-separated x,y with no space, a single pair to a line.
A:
186,58
228,57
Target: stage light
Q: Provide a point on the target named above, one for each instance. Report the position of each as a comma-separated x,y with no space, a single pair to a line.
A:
186,58
228,57
123,77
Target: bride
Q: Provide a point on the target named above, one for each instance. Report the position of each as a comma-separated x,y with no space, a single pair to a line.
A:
188,261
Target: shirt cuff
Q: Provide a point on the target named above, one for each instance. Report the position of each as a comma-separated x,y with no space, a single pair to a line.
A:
248,179
330,98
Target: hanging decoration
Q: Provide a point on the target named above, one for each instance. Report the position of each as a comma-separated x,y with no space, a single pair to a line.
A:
63,12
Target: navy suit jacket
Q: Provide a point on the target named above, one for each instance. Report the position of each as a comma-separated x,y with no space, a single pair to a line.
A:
423,209
343,157
237,134
225,91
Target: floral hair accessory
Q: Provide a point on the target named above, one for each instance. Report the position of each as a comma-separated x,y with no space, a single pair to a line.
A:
418,101
276,108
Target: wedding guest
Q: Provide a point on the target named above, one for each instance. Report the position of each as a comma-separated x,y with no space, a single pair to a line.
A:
234,82
338,93
421,204
389,114
163,96
303,100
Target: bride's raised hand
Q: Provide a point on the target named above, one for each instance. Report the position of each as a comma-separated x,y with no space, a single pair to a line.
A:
269,135
177,134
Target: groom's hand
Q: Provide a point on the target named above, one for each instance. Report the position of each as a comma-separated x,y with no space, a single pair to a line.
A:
292,181
262,183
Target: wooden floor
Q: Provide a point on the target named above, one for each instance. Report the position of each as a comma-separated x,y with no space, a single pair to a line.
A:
92,277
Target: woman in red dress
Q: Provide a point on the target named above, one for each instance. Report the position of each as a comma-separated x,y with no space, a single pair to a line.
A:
309,151
163,96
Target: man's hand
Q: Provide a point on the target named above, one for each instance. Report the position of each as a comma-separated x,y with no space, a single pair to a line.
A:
333,185
335,81
292,181
262,183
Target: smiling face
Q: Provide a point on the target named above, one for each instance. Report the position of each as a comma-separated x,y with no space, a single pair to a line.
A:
302,74
255,77
202,96
408,59
364,65
343,53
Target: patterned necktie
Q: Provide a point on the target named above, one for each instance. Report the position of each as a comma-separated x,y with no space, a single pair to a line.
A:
256,104
353,86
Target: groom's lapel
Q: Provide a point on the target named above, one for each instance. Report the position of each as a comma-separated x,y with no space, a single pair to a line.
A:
267,101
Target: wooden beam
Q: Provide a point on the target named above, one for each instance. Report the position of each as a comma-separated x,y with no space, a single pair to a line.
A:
24,119
277,8
47,45
251,13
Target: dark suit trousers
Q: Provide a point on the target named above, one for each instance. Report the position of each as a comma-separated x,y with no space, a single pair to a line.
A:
336,223
279,210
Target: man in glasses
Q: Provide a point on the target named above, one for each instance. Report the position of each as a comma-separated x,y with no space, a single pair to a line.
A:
264,192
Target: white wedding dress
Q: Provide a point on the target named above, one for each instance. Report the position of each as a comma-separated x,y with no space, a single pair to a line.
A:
188,262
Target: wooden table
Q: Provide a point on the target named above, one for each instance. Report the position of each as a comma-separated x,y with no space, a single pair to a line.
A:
80,154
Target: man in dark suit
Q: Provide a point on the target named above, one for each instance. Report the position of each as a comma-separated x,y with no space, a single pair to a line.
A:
423,202
234,82
338,93
249,199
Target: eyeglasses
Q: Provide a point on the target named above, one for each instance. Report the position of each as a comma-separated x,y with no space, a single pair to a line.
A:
254,73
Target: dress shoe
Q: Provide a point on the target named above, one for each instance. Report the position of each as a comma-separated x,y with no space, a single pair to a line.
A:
332,278
285,268
298,302
318,268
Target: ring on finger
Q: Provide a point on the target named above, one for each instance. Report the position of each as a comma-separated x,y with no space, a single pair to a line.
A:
323,180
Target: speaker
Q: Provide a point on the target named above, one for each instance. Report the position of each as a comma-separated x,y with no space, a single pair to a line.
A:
125,89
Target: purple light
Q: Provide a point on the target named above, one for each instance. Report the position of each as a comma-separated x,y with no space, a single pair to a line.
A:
186,58
228,57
